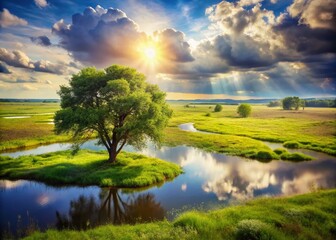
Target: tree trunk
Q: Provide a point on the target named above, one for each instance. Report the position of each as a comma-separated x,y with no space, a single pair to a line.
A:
112,156
113,153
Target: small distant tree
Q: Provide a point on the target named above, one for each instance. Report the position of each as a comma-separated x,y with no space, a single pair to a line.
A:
117,104
244,110
289,103
218,108
274,104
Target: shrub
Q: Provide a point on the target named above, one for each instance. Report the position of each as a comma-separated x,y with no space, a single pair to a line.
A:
252,229
280,151
297,157
208,115
291,144
244,110
218,108
266,155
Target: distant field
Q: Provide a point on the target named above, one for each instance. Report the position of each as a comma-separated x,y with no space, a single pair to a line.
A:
313,128
32,127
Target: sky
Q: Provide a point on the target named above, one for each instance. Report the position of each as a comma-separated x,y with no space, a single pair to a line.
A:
195,49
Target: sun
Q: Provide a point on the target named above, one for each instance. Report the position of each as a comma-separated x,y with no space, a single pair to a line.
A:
149,53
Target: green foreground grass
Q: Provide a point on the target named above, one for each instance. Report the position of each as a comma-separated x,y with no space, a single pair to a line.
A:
89,168
309,216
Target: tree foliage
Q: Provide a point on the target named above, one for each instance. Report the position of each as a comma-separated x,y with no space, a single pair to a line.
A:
274,104
289,103
116,104
320,103
218,108
244,110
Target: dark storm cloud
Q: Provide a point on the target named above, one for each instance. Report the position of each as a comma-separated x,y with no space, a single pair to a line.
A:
243,52
41,40
4,69
100,36
305,40
19,59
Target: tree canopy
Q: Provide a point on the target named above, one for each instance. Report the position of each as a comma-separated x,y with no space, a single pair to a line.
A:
117,104
218,108
289,103
244,110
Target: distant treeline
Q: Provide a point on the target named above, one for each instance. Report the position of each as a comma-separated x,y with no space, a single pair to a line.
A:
308,103
320,103
29,100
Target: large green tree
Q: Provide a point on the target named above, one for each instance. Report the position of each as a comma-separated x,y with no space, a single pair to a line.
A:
116,104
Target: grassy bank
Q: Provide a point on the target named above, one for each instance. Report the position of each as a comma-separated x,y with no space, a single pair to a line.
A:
89,168
312,128
309,216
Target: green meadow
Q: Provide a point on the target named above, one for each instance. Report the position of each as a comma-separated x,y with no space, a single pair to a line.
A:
89,168
312,128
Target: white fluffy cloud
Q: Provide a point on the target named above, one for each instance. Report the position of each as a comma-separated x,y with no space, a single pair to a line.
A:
102,36
174,45
19,59
315,13
41,3
7,19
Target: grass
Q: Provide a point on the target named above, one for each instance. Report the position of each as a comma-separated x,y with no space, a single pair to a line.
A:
311,128
308,216
26,132
229,144
89,168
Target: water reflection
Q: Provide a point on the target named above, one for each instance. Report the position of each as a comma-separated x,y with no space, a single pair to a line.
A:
87,212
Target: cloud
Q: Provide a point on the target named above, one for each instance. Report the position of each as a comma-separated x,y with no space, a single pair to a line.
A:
7,19
304,40
4,69
15,58
41,3
41,40
243,52
173,44
315,13
101,36
48,67
233,18
19,59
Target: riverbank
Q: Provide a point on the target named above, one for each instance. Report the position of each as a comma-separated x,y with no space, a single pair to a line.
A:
89,168
308,216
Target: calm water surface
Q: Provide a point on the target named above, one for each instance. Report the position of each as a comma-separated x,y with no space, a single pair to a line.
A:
210,180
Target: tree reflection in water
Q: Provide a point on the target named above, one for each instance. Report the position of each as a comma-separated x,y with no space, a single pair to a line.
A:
86,212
